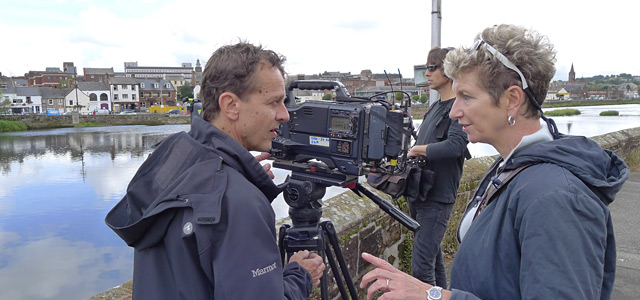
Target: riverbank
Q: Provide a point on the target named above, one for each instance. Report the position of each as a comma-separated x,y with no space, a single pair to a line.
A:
418,111
37,122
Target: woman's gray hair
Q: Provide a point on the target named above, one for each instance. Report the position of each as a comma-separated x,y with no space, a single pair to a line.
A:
531,52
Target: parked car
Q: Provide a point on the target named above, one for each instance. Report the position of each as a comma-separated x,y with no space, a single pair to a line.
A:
101,112
127,111
173,112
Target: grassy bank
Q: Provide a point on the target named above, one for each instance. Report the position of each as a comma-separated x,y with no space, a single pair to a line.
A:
8,126
589,103
562,112
417,112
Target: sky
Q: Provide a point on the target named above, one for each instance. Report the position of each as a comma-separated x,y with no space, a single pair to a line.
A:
597,37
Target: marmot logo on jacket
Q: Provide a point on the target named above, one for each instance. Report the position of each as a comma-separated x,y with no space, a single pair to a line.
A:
265,270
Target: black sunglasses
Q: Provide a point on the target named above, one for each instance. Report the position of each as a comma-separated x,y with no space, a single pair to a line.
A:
432,68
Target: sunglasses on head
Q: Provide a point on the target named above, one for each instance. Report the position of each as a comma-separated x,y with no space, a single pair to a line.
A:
525,86
507,63
432,68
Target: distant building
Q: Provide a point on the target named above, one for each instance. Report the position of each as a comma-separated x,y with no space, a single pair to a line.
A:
577,90
76,100
177,81
53,77
196,77
133,70
53,99
572,75
69,68
27,101
98,74
156,92
125,92
99,95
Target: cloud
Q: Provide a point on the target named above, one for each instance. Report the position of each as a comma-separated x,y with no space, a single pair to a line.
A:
358,26
52,267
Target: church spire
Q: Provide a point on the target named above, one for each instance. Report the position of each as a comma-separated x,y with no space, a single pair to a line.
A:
572,75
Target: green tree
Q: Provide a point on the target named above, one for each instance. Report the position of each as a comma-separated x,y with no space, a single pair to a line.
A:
399,96
327,97
185,91
415,97
5,105
424,98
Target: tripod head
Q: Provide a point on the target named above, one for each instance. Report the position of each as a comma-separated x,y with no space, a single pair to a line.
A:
307,185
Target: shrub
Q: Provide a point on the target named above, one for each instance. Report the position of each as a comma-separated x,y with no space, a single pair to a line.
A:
562,112
609,113
7,126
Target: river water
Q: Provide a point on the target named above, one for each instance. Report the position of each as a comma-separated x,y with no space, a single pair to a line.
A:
56,186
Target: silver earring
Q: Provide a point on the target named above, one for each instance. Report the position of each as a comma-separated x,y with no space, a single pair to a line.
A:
511,120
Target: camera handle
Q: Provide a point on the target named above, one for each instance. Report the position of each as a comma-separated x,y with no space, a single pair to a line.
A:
388,208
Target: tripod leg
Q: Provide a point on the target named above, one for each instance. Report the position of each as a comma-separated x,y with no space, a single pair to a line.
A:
281,234
330,231
334,269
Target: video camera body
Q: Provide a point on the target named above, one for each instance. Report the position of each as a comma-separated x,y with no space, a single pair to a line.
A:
351,135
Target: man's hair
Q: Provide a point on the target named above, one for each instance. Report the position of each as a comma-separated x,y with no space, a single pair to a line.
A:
531,52
231,69
436,55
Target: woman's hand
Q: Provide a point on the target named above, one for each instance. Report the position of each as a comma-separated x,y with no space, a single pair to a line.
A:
394,283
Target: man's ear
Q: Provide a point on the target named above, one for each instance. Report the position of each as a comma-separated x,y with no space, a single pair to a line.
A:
229,105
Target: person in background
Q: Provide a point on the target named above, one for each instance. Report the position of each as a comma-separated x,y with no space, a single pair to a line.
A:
538,226
443,145
198,211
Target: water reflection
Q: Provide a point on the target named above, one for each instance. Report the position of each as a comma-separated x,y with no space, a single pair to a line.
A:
57,186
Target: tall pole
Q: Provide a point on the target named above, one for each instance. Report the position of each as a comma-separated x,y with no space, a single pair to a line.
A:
75,74
436,20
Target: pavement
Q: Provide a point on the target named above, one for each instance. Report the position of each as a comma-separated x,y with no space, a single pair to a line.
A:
626,225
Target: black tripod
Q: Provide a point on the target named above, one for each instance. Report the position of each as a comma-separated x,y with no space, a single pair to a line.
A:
305,188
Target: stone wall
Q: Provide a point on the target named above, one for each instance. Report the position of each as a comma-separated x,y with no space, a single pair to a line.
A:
363,227
43,121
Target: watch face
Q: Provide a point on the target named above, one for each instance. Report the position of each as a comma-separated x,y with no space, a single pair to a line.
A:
435,294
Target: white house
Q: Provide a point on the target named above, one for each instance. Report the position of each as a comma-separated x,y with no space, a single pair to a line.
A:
8,92
28,100
79,98
554,94
125,92
99,95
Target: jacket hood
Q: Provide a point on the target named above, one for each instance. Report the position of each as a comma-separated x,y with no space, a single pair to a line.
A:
235,155
600,169
173,176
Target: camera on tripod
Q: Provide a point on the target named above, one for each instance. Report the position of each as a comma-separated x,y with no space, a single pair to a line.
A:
332,143
351,135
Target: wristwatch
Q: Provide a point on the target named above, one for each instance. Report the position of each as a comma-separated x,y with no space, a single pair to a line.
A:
434,293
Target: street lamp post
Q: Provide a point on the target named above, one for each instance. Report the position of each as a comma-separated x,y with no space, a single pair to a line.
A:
75,74
436,20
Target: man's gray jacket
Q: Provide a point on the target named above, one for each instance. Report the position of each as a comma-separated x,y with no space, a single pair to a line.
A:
198,215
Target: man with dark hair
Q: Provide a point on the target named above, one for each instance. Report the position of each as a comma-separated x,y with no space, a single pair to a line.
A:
442,143
198,211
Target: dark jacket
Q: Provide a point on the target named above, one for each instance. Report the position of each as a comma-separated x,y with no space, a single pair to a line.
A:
447,144
198,214
549,234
